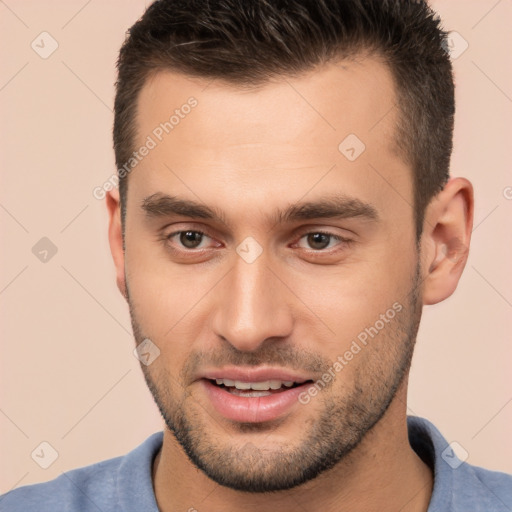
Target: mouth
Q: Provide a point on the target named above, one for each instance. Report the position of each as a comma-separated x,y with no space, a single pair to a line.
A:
255,389
253,401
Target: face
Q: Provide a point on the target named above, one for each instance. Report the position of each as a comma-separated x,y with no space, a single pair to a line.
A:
265,250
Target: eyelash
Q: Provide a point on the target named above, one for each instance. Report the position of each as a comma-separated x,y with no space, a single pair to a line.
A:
342,240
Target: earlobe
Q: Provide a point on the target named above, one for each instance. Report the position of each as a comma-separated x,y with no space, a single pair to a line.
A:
115,237
446,239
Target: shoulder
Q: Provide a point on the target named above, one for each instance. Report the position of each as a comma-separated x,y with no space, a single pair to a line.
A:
108,486
485,489
78,489
458,486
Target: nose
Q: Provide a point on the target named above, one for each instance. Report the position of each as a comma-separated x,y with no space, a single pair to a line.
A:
251,306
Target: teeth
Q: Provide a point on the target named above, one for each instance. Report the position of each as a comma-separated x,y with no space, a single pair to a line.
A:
242,385
257,386
275,384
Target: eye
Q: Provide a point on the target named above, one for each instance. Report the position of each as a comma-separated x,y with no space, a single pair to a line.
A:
188,239
319,240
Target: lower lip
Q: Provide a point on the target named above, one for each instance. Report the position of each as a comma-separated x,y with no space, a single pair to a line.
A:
253,409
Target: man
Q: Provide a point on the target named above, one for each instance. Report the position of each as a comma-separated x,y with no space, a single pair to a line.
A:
284,211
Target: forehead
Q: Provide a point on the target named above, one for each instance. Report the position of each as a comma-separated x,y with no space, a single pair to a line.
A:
334,98
285,133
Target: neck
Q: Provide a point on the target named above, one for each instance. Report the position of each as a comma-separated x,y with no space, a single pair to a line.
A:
383,473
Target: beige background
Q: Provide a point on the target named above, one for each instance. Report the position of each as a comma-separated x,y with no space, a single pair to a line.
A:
68,374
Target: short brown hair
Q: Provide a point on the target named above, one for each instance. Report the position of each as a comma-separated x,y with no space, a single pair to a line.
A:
248,42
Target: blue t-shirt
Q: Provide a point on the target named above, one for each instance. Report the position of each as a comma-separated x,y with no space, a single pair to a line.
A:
124,484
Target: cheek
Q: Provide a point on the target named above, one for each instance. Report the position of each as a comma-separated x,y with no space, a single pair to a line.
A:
361,299
164,304
168,299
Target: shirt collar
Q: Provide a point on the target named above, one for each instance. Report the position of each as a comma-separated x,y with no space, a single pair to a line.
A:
457,484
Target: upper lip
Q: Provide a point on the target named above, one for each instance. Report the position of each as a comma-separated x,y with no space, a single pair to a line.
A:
254,374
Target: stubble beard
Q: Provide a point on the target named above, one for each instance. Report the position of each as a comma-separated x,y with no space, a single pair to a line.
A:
347,415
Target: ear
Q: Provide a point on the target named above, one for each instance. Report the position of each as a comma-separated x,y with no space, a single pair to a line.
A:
115,237
445,240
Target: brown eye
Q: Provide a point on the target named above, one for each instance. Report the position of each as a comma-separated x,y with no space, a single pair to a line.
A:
191,239
323,242
318,241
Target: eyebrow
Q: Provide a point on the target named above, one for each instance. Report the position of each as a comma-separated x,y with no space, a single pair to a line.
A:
159,205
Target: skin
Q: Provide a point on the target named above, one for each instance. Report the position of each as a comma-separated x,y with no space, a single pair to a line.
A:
247,154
